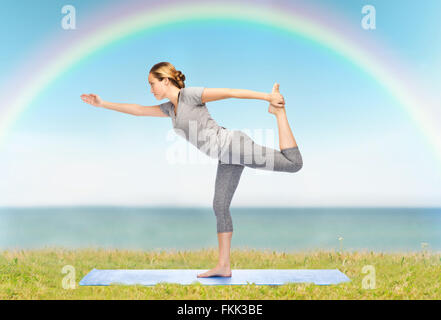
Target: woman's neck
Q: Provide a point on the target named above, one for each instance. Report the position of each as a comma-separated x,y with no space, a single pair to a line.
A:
177,99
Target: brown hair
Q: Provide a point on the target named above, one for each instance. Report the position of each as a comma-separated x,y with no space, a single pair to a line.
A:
164,70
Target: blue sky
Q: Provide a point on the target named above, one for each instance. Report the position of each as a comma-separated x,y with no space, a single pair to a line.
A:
358,144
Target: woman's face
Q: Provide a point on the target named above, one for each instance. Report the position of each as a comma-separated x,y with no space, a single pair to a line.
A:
156,87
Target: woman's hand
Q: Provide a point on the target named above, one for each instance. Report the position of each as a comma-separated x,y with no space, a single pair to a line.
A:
92,99
276,99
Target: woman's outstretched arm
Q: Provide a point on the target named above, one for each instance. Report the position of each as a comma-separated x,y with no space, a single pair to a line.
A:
213,94
130,108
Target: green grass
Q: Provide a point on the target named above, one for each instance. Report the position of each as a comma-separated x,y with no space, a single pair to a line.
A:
36,274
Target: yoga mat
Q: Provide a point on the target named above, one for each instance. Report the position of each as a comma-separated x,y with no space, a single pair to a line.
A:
188,276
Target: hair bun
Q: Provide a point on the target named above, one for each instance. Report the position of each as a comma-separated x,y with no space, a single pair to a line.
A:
180,76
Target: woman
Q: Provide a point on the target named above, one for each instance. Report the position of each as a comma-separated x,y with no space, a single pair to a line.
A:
234,149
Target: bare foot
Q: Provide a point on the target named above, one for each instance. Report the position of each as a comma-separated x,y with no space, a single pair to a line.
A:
217,271
275,110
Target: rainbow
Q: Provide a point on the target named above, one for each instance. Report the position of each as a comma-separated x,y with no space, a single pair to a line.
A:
298,21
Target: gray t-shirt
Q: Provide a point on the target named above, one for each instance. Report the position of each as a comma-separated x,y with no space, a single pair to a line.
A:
194,123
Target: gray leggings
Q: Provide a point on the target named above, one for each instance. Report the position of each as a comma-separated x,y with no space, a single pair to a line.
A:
244,152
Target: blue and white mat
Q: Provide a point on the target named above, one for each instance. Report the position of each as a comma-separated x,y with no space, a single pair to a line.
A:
189,276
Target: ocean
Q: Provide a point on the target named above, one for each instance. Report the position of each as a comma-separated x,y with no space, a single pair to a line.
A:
277,229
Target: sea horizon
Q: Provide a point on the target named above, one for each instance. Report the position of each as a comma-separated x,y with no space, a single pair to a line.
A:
380,229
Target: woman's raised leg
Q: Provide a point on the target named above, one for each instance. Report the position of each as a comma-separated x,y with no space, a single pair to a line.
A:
286,138
244,151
